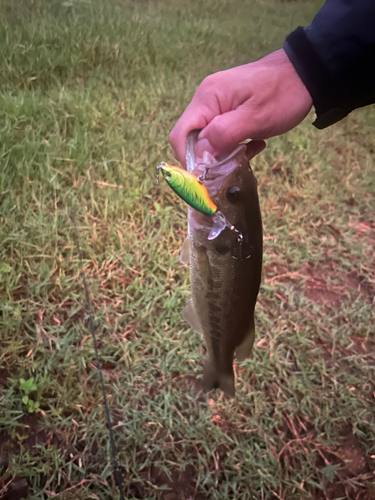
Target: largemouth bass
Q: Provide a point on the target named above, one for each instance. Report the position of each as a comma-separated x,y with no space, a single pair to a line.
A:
225,270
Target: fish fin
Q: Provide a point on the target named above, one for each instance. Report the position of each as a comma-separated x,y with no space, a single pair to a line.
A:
184,252
213,379
218,227
191,317
244,349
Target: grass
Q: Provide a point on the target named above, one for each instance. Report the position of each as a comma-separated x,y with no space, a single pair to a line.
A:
89,91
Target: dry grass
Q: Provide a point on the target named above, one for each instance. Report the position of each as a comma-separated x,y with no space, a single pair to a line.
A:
88,93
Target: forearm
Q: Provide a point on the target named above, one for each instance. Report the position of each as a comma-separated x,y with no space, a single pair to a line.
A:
335,58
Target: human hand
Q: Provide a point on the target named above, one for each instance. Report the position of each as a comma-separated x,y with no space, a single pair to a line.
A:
254,101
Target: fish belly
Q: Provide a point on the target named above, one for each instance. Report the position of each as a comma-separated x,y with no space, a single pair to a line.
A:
223,298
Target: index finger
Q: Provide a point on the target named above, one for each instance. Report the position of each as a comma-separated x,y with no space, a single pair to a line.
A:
191,119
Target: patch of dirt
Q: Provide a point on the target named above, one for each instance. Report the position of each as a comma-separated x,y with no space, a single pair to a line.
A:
4,374
317,289
352,463
182,483
358,345
353,456
340,357
179,485
352,467
359,283
325,282
322,295
30,435
16,490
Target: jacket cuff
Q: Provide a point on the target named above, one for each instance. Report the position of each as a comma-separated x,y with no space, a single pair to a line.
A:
315,77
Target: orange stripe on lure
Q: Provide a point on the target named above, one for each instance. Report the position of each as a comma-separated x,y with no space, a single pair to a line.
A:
188,188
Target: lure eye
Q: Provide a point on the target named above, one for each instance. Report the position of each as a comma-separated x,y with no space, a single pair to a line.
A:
167,175
233,194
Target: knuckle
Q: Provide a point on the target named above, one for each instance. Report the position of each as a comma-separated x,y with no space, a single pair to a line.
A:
207,87
208,82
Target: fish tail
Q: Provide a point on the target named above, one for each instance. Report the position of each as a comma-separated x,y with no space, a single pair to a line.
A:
213,379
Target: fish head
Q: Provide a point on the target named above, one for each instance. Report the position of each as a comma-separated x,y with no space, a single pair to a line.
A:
232,186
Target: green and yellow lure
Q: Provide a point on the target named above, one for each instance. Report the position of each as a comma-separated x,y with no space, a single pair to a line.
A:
187,187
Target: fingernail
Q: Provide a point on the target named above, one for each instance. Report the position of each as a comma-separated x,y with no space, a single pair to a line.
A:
203,145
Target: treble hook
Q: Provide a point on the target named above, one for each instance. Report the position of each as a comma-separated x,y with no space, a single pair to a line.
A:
239,241
202,177
157,173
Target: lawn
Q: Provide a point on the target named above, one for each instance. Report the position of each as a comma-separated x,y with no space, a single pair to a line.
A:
89,91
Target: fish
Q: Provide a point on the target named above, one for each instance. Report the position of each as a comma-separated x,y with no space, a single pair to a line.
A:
224,251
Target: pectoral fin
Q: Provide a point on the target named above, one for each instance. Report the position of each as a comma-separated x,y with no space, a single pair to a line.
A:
184,252
244,349
191,318
218,227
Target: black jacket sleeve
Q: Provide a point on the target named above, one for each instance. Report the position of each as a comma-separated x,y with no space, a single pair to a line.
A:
335,58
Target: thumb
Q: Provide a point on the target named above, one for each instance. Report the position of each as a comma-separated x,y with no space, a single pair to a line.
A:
226,131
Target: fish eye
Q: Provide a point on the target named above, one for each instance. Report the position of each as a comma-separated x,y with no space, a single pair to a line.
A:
233,194
167,175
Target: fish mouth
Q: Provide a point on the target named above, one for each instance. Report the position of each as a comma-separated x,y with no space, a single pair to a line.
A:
214,169
219,167
190,149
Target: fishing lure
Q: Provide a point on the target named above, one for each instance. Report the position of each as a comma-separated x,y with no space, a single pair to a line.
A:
188,188
191,189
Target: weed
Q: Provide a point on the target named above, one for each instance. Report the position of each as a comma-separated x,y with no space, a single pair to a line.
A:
28,386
